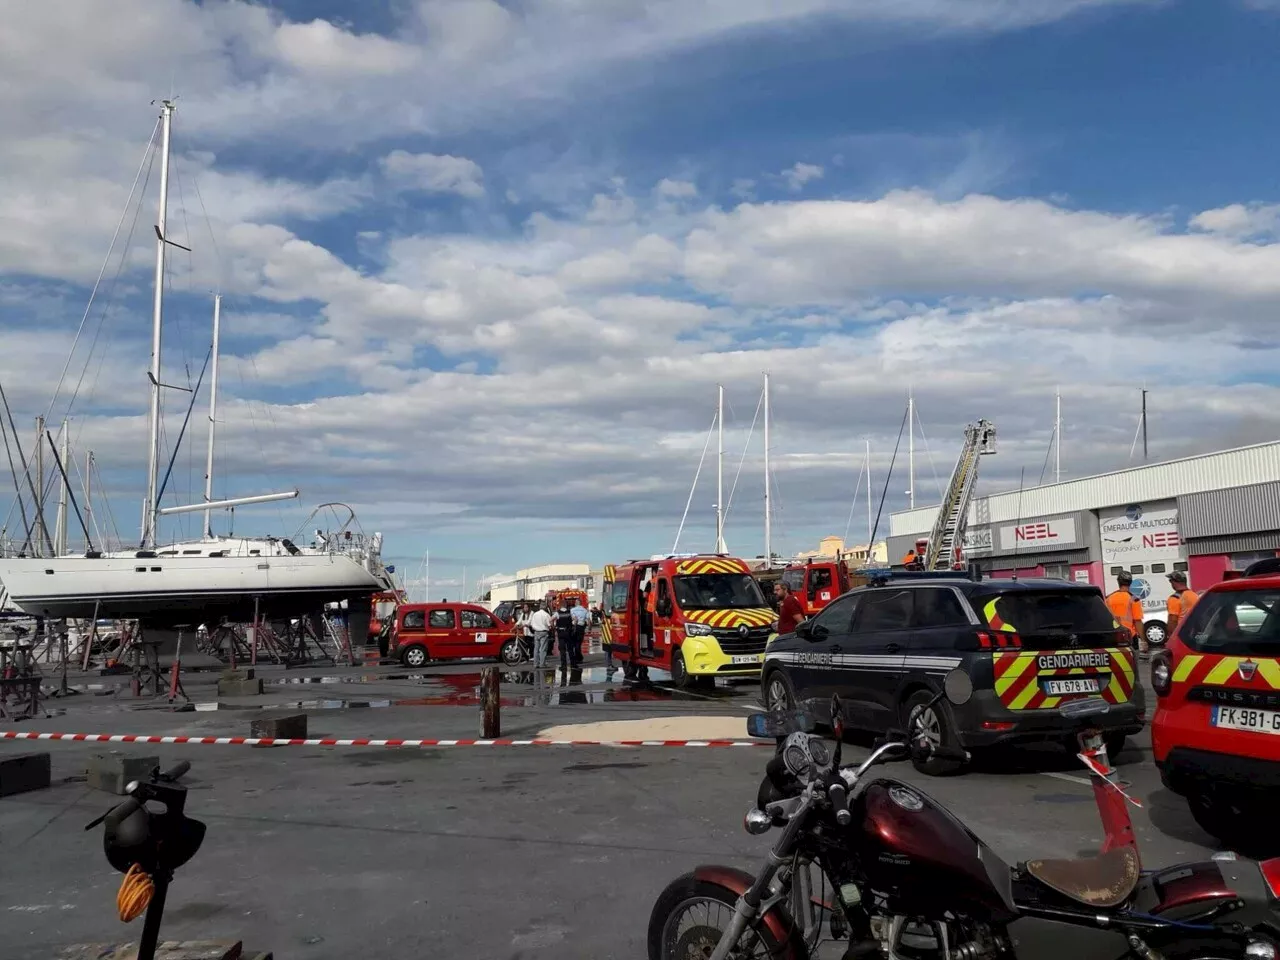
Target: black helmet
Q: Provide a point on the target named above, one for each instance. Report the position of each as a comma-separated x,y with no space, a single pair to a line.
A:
1124,577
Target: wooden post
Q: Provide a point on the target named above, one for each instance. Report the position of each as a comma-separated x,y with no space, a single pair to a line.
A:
490,704
93,635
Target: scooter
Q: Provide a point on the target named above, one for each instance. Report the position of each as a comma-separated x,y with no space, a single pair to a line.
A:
910,882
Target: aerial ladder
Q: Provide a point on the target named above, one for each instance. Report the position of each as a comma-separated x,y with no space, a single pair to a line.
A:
953,516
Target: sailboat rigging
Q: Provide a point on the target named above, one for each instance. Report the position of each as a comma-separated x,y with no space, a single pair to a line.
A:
213,577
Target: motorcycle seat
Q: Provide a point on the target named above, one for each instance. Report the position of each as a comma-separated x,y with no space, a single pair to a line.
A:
1106,880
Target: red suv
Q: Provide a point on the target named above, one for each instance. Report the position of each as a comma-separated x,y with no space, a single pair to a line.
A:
1216,730
451,631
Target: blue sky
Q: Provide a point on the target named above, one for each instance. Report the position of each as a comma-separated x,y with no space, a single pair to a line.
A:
484,263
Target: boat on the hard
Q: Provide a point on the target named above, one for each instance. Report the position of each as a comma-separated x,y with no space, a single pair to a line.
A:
201,580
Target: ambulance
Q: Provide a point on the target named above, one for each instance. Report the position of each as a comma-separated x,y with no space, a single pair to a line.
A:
696,617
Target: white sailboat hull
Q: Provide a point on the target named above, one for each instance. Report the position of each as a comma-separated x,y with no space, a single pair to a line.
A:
184,589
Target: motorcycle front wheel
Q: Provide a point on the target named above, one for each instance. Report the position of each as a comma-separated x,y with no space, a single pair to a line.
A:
690,916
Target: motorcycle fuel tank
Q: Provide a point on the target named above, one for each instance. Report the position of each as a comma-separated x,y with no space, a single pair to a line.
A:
915,851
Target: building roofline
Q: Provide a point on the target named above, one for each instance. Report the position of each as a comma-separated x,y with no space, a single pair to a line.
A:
1103,475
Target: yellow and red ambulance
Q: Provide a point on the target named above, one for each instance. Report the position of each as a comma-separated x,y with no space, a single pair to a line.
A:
695,617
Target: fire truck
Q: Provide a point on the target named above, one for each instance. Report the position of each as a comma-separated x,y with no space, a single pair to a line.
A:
557,598
818,581
696,617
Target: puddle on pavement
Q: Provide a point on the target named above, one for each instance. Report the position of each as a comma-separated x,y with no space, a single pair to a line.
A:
549,687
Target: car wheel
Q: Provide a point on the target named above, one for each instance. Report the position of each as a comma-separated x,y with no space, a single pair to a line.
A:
778,693
1156,633
415,656
511,653
679,672
1235,824
935,722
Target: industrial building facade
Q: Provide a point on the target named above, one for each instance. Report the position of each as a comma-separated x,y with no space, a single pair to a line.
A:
1204,515
535,583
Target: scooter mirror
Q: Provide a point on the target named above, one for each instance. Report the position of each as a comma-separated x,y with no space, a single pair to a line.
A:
958,687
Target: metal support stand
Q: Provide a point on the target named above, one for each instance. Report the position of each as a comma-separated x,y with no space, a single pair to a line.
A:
253,647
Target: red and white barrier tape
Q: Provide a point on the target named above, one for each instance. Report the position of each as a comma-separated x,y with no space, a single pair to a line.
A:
366,741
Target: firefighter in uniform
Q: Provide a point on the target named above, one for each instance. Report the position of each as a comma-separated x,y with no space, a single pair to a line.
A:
650,608
1127,610
912,561
1180,603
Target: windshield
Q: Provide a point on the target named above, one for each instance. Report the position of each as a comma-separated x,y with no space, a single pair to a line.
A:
1051,616
718,591
1241,622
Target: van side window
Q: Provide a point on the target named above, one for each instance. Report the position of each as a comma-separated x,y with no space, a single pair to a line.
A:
883,610
441,620
414,620
793,579
475,620
620,594
936,607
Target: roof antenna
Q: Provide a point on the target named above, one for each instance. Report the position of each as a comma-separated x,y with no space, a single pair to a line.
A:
1017,523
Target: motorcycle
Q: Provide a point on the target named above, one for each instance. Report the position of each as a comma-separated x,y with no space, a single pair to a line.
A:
909,881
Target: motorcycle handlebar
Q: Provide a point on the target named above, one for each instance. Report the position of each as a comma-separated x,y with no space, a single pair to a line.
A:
118,814
176,772
840,801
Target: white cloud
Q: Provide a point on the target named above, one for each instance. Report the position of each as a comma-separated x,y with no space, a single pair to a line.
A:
797,176
586,343
676,189
433,173
1239,219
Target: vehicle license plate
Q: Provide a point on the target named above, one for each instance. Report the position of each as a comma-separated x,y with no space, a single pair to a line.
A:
1055,688
1244,718
748,658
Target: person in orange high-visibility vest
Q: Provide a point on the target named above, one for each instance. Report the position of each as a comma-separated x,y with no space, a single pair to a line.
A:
1127,610
1180,603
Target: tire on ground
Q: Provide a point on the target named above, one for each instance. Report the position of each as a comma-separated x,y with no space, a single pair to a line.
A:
946,728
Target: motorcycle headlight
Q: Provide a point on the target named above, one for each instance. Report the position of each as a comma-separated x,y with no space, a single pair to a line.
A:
697,630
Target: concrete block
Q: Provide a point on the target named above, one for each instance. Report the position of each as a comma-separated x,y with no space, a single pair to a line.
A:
287,726
23,772
240,673
239,688
112,771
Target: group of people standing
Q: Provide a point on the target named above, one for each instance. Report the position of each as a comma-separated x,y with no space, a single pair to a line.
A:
1127,609
567,627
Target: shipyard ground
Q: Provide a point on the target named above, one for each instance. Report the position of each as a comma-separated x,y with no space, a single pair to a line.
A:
469,852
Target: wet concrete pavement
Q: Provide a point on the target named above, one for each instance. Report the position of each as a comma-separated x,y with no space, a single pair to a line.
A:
467,852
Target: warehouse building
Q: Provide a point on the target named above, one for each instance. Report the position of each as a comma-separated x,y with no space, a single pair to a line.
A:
535,583
1204,515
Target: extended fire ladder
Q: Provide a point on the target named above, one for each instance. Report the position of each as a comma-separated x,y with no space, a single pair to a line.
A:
953,515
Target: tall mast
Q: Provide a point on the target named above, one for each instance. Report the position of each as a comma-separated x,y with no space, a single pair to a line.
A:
60,530
869,528
1144,424
1057,442
44,530
911,446
149,505
768,525
213,417
88,500
720,544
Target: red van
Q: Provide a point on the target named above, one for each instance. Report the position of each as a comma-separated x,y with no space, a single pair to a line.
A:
451,631
1216,731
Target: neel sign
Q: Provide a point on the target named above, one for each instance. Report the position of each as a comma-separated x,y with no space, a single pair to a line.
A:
1039,535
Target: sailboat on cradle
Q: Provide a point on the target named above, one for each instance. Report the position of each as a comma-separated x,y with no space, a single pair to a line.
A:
202,581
